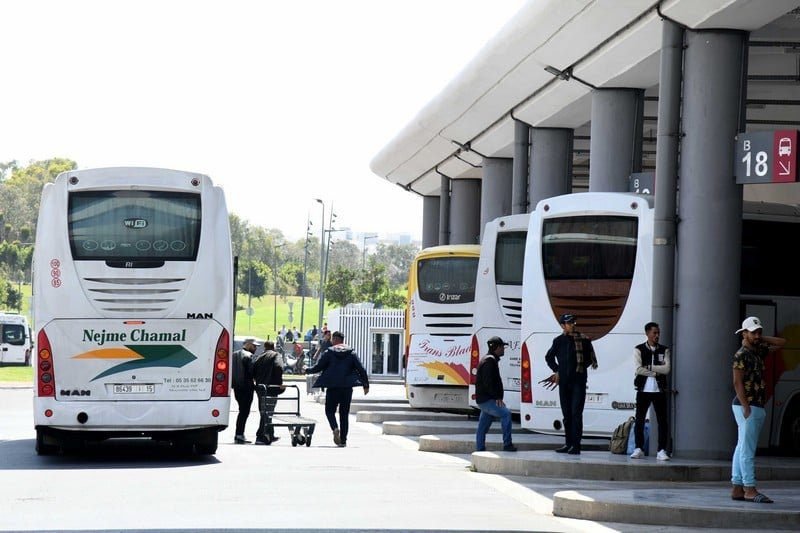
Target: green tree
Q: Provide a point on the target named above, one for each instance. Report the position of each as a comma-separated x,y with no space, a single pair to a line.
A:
253,278
21,191
340,289
397,258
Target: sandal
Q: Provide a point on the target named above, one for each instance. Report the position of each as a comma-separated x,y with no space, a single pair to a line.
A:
759,498
737,495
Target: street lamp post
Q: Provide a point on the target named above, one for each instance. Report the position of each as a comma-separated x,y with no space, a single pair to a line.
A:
305,272
364,249
275,287
321,260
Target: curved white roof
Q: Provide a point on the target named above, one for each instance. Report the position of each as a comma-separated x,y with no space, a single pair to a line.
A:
607,43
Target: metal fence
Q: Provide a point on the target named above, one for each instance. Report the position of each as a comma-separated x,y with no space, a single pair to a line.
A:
358,324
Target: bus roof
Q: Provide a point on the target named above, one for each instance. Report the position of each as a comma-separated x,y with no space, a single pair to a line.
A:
466,250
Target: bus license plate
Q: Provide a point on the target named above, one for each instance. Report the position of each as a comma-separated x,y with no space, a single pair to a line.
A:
129,388
594,397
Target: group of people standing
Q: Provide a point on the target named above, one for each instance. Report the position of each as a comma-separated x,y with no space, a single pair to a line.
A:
339,371
570,357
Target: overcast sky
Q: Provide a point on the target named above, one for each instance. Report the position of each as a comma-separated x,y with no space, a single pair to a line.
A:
280,102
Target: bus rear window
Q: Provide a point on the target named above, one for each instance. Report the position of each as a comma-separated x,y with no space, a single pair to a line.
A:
509,257
13,334
447,279
589,247
134,225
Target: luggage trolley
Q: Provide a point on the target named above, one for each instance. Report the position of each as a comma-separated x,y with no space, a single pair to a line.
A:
300,428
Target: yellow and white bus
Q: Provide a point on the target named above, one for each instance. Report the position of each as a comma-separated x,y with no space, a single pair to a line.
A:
133,299
439,320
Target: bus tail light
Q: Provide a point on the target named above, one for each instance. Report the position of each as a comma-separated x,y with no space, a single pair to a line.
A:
220,378
527,390
45,374
474,359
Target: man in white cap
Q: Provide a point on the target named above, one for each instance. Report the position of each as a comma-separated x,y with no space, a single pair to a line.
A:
748,406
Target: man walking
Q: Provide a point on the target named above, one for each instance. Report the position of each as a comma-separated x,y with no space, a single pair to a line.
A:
748,406
341,371
652,362
569,357
489,396
243,386
267,371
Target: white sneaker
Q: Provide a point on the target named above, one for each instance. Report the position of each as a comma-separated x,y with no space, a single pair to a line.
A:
662,455
637,454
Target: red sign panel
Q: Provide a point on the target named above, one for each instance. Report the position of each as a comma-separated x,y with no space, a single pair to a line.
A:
784,156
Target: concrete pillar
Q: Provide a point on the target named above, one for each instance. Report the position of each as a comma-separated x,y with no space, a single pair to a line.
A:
465,208
430,221
444,211
551,163
616,145
519,186
495,189
669,121
709,244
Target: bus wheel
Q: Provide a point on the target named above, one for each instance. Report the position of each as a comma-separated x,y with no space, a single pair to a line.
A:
43,446
207,444
790,438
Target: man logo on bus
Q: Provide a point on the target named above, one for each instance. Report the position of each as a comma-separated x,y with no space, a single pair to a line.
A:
135,223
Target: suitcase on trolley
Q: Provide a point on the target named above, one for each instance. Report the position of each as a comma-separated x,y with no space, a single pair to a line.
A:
301,429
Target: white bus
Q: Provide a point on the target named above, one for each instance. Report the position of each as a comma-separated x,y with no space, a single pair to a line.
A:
498,301
439,314
133,284
16,340
592,254
587,254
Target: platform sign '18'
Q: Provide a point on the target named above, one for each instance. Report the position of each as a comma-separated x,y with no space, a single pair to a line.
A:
766,157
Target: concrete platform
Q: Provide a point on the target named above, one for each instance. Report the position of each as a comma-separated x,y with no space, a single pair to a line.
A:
376,417
709,507
415,428
602,465
357,407
523,440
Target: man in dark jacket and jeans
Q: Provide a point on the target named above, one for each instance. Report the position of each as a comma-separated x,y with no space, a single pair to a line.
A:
341,371
489,396
570,357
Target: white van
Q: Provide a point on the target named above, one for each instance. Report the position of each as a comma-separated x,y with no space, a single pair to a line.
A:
16,340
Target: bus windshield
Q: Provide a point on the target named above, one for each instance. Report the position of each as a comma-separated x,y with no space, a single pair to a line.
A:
13,334
589,247
509,258
134,225
447,279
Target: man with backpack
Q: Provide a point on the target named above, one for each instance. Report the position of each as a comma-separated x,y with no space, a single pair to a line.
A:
267,371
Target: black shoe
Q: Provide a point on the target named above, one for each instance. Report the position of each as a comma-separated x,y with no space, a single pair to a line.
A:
263,442
509,448
575,450
274,438
563,449
238,439
342,444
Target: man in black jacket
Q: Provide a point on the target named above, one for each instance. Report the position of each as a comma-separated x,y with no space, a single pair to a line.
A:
489,396
652,363
243,386
267,370
569,357
341,371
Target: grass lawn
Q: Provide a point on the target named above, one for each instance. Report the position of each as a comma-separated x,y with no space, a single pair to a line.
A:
16,373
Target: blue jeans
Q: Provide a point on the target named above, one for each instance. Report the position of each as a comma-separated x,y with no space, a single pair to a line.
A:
489,410
743,465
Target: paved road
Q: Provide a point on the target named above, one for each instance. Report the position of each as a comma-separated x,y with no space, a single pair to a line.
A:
377,482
